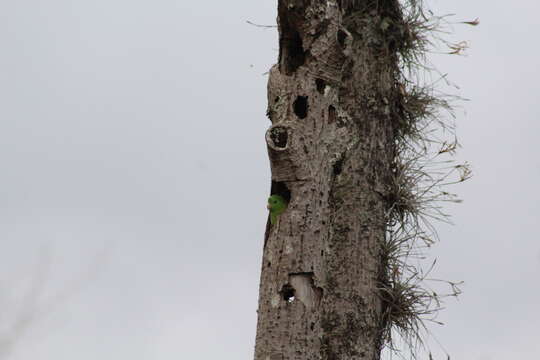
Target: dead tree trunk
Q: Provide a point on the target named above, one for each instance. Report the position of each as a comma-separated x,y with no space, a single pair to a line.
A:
332,104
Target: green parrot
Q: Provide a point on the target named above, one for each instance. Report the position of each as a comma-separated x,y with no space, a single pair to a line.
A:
277,205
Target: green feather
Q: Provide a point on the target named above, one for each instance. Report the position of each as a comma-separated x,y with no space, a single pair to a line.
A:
277,205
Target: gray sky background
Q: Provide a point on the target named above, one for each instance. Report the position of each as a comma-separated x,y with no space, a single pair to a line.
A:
135,175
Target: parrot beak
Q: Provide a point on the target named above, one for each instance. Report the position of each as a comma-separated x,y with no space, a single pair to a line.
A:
268,206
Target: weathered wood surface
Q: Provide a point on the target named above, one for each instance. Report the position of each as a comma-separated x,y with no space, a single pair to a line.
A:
331,145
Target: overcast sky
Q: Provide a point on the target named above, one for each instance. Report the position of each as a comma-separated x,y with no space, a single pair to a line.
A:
134,178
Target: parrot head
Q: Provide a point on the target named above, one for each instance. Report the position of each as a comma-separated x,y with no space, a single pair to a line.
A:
277,205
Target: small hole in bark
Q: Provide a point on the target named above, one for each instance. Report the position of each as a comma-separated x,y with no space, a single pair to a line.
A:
300,106
321,86
338,167
312,326
279,137
331,114
308,293
269,263
287,291
294,51
280,188
276,99
341,36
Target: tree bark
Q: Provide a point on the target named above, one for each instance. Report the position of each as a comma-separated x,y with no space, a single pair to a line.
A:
331,101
